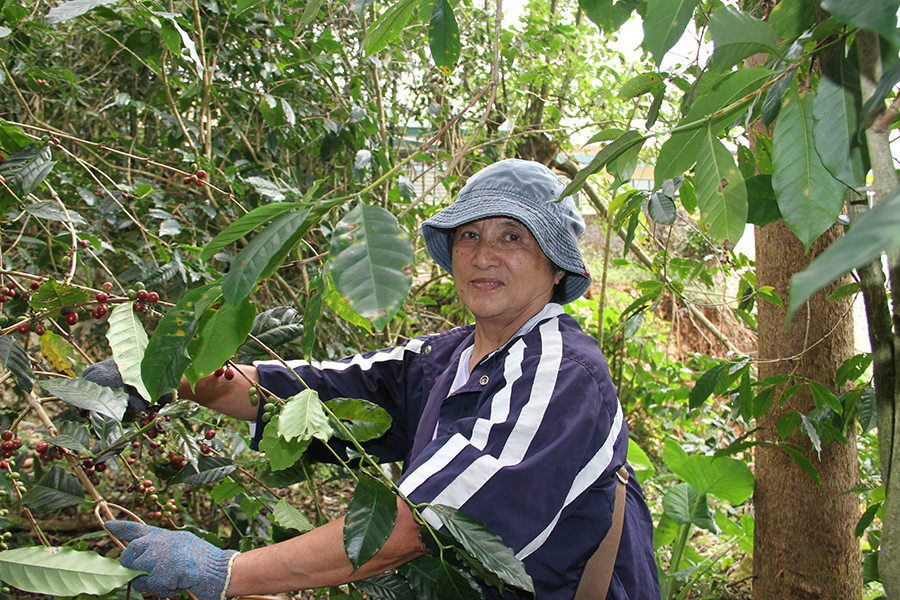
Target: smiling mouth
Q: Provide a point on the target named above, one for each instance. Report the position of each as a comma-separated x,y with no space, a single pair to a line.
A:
486,284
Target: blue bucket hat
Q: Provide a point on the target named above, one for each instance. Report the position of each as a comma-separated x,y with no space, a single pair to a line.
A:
528,192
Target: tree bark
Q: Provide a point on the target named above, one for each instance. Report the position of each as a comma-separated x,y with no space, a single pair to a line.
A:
805,543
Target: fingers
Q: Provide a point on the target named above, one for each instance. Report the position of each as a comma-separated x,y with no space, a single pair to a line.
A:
127,531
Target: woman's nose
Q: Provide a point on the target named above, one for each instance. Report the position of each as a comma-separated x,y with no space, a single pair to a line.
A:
486,254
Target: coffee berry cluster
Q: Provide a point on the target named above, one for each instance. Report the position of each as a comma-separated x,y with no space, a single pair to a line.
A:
197,178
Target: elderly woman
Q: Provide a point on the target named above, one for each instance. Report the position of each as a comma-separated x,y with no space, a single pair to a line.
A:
513,420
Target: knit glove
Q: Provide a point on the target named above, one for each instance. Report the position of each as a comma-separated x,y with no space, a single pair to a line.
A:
107,374
175,560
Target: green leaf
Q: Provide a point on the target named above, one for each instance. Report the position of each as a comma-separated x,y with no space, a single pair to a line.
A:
53,295
210,469
388,27
370,520
664,25
72,436
608,15
289,516
128,340
884,88
310,11
263,254
872,233
804,463
852,369
822,396
809,427
685,507
454,585
443,36
644,83
56,489
25,169
364,420
736,36
844,291
62,571
166,357
790,18
706,385
673,454
303,418
485,546
386,586
51,211
12,138
87,395
762,207
788,424
879,16
868,417
727,478
245,224
372,263
836,114
273,328
721,195
628,140
662,209
220,334
809,198
15,359
312,314
637,458
282,453
719,103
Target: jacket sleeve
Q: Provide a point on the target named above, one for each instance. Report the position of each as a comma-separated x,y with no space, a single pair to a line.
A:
385,377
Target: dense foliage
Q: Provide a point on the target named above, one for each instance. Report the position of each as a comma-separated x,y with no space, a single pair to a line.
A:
191,183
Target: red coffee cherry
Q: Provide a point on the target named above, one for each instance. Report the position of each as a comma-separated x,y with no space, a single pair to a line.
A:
102,296
72,317
42,447
24,327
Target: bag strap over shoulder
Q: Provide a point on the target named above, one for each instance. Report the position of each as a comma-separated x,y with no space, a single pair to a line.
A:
599,568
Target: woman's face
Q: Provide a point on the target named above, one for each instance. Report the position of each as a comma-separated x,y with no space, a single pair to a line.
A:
500,272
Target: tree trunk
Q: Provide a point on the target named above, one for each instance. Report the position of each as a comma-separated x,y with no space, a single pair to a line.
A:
805,545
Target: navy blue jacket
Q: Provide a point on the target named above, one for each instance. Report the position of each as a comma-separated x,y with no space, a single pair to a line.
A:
528,445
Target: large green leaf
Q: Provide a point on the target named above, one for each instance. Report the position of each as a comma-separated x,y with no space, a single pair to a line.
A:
878,15
289,516
312,314
220,334
727,478
372,263
608,15
303,418
88,395
721,195
56,489
664,25
685,506
364,420
210,469
443,36
62,571
15,359
809,198
25,169
386,586
51,211
762,207
273,328
790,18
282,453
718,103
166,358
836,113
737,35
873,232
73,436
643,83
706,385
245,224
370,520
435,579
610,152
264,253
128,341
487,547
53,295
388,27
